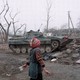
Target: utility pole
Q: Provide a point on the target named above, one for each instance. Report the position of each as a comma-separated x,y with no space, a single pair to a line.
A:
70,21
73,32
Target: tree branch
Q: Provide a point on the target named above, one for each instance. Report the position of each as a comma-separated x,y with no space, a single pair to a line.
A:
20,27
6,13
14,16
2,10
2,27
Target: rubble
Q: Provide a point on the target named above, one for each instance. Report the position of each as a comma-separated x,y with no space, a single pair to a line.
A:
68,56
78,61
53,60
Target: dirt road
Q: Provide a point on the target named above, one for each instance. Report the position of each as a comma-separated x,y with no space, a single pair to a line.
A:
10,62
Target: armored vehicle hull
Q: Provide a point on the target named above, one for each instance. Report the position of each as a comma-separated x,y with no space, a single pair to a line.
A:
48,44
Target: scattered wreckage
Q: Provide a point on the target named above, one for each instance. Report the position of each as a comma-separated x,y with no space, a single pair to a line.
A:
70,56
48,44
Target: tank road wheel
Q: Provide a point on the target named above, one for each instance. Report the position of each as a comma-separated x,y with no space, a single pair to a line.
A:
55,45
12,48
42,49
48,49
28,50
23,50
17,50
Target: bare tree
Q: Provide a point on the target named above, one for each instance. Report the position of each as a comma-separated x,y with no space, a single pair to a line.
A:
19,28
13,22
6,31
1,35
49,5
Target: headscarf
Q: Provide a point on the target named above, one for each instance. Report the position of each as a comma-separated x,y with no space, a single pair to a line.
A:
35,42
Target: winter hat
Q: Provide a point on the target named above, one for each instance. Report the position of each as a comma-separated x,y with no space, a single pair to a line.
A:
35,42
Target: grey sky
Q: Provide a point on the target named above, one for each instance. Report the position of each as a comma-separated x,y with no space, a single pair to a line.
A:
33,12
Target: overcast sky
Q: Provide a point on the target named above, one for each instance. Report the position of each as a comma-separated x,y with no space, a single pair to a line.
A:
33,12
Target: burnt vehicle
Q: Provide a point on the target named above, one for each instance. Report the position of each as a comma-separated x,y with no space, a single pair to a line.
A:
48,44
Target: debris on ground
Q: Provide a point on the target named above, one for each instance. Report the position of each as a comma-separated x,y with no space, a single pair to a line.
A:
78,61
53,60
68,56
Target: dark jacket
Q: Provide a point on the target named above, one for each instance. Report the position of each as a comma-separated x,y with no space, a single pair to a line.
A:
36,63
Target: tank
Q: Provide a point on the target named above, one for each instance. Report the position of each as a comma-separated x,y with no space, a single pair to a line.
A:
48,43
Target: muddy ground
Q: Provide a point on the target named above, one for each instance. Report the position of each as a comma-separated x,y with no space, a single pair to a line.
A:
9,63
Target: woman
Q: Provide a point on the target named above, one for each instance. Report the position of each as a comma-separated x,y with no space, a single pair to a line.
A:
36,63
